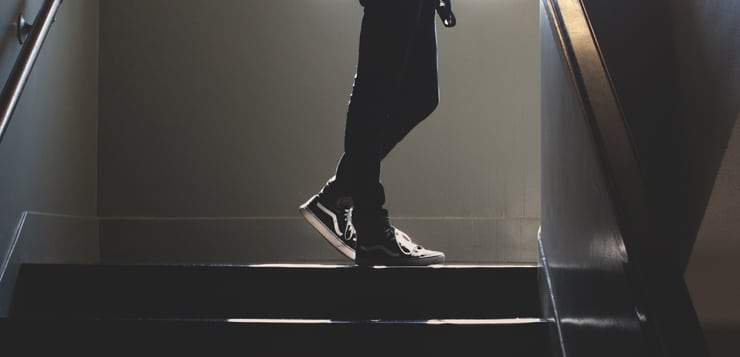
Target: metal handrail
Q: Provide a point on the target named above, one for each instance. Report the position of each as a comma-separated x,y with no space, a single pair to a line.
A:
24,64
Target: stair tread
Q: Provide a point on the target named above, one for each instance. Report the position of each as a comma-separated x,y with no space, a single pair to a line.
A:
295,291
409,338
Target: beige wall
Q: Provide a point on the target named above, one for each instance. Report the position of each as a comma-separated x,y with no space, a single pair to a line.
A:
233,111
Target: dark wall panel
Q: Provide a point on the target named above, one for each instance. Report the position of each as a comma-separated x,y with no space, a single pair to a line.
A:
675,68
580,234
48,156
706,48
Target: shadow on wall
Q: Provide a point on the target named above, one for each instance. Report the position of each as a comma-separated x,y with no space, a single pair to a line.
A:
707,51
712,272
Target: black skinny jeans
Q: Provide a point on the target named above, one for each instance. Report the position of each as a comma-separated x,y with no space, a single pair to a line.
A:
395,89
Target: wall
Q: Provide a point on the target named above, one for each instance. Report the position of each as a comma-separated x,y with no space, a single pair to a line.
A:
674,65
708,47
712,272
48,158
224,116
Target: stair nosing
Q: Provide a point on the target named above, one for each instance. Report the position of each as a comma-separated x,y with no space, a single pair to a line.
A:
296,266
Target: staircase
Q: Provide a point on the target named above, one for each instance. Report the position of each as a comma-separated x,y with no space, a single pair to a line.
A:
284,310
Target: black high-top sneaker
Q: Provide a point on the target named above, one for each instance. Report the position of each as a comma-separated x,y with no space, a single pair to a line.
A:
329,213
380,243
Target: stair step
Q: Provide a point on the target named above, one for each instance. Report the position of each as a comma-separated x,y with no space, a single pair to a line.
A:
288,338
275,292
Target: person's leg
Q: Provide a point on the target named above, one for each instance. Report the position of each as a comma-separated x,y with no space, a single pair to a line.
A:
403,99
395,89
387,41
419,93
388,33
419,88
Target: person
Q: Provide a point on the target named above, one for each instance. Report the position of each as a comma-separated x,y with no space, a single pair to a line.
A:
395,88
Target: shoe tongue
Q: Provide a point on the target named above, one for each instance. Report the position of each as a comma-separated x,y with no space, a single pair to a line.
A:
344,202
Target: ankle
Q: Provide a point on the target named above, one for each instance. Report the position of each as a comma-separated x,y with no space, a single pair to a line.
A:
336,193
371,225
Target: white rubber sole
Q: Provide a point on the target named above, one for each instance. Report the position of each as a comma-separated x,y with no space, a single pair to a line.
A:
327,233
403,262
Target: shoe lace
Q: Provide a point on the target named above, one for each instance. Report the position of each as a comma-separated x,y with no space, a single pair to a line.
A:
389,229
402,239
405,243
351,234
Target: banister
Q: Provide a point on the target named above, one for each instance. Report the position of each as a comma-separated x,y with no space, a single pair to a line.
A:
26,60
